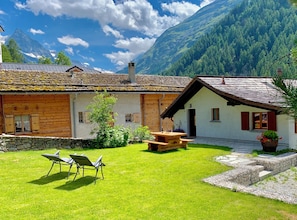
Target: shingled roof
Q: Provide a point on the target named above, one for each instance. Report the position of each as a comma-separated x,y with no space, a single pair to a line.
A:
251,91
26,81
50,68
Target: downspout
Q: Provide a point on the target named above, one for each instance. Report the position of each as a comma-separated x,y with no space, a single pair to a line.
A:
160,103
73,115
3,116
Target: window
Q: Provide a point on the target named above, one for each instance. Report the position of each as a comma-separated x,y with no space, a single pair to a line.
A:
264,120
215,114
135,117
260,120
80,117
128,117
84,117
22,123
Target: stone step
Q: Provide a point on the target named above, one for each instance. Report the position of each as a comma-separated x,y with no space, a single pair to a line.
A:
264,174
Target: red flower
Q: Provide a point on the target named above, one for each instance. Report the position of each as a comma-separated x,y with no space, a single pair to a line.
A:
268,136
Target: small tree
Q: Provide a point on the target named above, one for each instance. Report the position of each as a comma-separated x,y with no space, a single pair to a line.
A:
62,59
14,50
289,93
107,135
288,88
44,60
6,57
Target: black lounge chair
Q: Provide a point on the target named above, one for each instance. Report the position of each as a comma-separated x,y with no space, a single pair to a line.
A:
56,159
83,161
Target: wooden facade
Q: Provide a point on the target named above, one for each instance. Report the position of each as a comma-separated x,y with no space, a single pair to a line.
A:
36,115
49,103
152,105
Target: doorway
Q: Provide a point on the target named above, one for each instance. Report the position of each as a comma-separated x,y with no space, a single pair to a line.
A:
192,122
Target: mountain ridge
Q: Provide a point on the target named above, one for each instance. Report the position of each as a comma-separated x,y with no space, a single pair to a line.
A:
255,39
175,41
31,49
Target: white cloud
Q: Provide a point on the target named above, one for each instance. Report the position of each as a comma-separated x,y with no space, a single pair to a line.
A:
181,9
19,5
34,31
2,12
108,30
69,40
133,47
69,50
137,15
117,17
205,2
3,38
120,58
87,58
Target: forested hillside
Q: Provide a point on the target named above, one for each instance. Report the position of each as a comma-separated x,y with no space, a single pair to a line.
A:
254,39
175,41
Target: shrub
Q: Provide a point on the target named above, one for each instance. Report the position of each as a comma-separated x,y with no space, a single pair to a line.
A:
268,135
112,137
139,134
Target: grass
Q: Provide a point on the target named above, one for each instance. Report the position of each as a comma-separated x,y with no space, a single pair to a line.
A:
256,153
138,185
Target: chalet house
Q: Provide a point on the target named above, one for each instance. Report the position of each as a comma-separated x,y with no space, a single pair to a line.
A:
237,108
44,102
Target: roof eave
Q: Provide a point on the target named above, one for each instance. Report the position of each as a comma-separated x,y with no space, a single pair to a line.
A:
193,87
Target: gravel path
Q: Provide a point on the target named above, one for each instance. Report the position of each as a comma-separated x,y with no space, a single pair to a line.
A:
282,186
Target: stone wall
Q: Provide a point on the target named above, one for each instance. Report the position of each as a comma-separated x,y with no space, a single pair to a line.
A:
18,143
279,163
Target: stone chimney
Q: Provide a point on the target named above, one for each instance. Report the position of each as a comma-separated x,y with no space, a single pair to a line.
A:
131,72
1,30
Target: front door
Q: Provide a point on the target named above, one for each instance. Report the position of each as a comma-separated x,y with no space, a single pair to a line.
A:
192,122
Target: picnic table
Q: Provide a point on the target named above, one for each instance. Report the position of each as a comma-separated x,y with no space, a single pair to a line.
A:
165,140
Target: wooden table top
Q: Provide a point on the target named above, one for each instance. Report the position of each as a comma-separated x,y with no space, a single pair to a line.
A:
167,133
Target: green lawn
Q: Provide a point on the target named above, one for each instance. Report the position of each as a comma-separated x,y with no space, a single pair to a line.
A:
138,185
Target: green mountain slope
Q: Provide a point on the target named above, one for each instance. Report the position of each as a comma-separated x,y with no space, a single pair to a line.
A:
174,42
254,39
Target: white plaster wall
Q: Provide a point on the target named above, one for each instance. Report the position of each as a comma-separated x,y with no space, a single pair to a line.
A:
229,125
180,120
79,104
126,104
292,135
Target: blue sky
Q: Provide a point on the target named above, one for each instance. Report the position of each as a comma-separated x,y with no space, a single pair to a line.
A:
105,34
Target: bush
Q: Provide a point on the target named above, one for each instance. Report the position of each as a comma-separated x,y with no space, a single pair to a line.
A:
270,135
139,134
112,137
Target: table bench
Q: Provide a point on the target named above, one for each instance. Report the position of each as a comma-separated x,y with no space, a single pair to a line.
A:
186,141
165,141
155,145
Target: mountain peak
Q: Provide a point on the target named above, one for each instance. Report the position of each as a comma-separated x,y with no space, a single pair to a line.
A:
30,48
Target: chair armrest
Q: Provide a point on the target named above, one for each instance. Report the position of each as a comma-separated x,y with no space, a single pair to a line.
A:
98,161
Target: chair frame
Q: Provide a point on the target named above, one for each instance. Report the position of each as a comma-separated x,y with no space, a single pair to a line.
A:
56,159
83,162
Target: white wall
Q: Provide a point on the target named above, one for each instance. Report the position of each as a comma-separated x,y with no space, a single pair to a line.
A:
229,125
126,104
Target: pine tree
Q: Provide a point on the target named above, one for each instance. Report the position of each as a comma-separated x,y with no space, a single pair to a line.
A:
14,50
